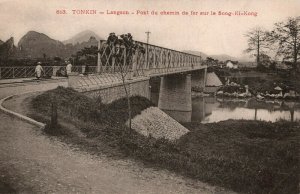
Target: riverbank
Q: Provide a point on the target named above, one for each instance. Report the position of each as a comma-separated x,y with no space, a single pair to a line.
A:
287,84
245,156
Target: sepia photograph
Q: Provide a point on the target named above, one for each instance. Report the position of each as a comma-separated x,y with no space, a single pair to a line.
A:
150,96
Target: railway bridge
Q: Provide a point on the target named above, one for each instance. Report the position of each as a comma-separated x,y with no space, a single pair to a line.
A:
116,66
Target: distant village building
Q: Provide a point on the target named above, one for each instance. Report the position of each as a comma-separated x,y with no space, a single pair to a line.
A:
231,64
221,64
213,83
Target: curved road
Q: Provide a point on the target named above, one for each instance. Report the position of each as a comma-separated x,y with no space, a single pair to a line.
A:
33,163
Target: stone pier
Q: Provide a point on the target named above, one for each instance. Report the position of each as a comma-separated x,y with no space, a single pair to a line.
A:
199,79
175,96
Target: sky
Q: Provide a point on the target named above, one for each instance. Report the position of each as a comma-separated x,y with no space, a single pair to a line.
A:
211,34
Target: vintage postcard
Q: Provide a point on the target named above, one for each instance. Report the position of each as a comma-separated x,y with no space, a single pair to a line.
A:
150,96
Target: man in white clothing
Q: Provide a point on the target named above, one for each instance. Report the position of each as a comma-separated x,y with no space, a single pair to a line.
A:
38,70
68,68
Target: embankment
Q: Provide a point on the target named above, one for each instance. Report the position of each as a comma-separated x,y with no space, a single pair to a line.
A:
155,123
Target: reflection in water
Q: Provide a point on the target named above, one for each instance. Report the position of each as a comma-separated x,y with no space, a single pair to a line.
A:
210,109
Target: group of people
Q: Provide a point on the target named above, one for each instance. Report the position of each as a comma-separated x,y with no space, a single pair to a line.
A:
125,40
39,69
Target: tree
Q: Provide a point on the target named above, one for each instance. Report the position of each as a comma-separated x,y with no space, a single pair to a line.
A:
272,66
56,58
211,61
265,60
257,42
121,50
87,55
286,36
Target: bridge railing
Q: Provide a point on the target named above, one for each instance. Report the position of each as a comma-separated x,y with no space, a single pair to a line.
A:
29,71
144,59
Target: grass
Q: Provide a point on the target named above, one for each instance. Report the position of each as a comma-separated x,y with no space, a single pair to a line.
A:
6,188
102,124
245,156
250,156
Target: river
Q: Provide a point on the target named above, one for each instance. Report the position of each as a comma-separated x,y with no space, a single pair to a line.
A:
213,109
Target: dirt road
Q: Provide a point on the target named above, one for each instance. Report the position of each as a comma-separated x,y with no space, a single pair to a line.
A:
33,163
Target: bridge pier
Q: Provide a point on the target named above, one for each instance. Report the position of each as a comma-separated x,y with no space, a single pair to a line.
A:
199,79
175,96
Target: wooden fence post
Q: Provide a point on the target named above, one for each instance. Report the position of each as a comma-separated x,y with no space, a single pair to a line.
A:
53,114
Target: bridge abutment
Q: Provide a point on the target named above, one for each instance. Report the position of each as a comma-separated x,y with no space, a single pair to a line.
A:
175,96
116,91
109,88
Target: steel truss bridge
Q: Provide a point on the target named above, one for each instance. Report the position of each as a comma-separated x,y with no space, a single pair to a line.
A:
146,60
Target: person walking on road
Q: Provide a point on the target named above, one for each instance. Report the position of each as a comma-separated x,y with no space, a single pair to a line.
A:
69,68
38,70
87,69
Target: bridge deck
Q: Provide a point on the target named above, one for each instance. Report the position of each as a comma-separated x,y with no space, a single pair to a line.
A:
167,71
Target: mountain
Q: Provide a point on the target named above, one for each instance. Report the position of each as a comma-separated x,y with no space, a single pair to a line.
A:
82,37
1,42
224,57
7,48
38,45
92,41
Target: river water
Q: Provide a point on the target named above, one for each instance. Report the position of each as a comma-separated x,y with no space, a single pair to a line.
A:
213,109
